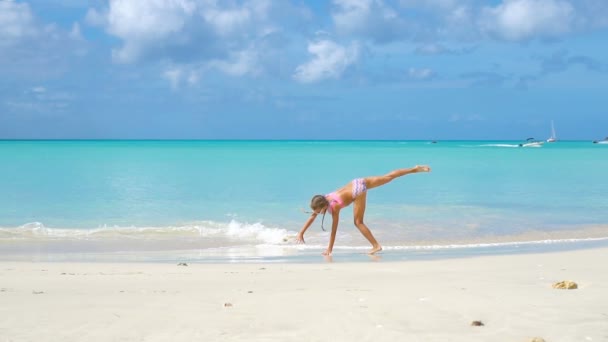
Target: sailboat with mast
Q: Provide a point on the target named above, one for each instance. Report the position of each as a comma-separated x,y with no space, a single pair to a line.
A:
553,137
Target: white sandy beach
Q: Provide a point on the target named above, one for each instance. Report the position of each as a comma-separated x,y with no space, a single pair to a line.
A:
380,301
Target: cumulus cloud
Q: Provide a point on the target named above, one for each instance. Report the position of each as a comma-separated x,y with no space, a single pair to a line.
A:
16,22
140,24
235,38
34,49
443,18
239,63
96,17
420,73
369,19
527,19
229,21
439,49
207,29
38,100
431,21
329,61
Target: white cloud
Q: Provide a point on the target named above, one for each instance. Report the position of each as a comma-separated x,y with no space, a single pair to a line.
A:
234,37
75,32
352,14
174,76
368,19
420,73
205,27
527,19
140,24
96,18
39,100
240,63
178,74
507,20
329,60
227,22
32,48
16,22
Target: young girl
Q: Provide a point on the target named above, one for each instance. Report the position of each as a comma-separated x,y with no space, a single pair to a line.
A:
353,192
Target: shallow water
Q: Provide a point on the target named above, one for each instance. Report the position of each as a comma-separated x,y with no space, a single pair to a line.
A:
163,198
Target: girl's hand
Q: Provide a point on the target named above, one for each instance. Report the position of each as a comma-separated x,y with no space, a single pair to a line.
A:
300,238
327,252
422,168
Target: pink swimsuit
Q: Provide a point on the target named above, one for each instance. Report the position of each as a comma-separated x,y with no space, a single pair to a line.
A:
359,187
334,200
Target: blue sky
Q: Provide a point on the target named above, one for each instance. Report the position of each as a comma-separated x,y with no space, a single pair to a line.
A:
341,69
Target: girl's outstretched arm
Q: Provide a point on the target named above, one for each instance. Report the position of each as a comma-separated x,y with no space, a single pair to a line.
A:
335,219
300,236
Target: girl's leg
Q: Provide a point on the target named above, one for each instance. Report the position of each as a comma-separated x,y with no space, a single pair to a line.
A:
376,181
359,212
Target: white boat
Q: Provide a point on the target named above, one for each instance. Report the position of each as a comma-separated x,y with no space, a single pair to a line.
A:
530,142
602,142
553,137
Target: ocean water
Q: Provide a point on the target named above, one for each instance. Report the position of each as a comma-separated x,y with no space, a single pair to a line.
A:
239,201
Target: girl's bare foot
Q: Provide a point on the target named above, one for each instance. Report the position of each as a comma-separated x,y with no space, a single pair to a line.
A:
423,168
375,250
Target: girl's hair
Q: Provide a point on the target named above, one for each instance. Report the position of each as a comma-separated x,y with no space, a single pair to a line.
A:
319,202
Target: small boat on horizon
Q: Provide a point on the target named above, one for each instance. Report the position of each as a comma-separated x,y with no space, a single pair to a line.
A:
530,142
602,142
553,137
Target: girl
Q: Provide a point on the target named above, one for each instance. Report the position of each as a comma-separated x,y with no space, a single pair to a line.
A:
353,192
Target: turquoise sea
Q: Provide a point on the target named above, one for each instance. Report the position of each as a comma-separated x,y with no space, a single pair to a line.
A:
241,201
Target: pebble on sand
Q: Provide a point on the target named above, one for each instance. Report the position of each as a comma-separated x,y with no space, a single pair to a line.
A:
567,285
477,323
227,305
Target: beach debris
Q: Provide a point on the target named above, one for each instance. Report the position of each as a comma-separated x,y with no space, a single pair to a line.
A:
37,292
565,285
182,264
477,324
249,291
538,339
227,305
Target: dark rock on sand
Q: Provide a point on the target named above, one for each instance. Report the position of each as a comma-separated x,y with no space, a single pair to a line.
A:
477,323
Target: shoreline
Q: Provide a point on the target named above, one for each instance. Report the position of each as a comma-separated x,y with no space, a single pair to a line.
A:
88,251
423,300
